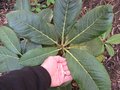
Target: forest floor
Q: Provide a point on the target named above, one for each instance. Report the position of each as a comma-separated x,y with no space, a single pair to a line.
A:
112,64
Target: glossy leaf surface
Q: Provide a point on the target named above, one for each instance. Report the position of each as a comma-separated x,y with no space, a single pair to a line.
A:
8,60
46,14
37,56
94,47
9,39
93,24
29,25
87,71
26,45
65,14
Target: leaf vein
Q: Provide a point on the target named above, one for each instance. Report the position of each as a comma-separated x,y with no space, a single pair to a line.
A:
84,30
80,65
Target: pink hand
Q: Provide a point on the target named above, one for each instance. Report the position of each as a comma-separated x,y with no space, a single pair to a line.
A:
58,70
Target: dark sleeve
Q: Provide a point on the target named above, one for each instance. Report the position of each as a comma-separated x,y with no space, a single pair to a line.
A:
30,78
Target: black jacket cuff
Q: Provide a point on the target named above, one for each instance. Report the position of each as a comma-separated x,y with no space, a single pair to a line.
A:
43,77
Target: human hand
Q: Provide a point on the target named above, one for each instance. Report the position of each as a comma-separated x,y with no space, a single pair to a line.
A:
58,70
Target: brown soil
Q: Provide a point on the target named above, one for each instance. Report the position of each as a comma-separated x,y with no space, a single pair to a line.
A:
112,64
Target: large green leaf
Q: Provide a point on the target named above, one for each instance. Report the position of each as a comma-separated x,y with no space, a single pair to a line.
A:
9,39
46,14
26,45
115,39
8,60
29,25
37,56
22,5
93,24
87,71
94,47
65,14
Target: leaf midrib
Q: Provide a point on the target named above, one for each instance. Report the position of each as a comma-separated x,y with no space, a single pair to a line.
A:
81,66
64,23
41,55
84,30
39,31
11,42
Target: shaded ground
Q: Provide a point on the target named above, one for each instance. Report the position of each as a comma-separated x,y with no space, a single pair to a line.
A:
4,8
112,64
